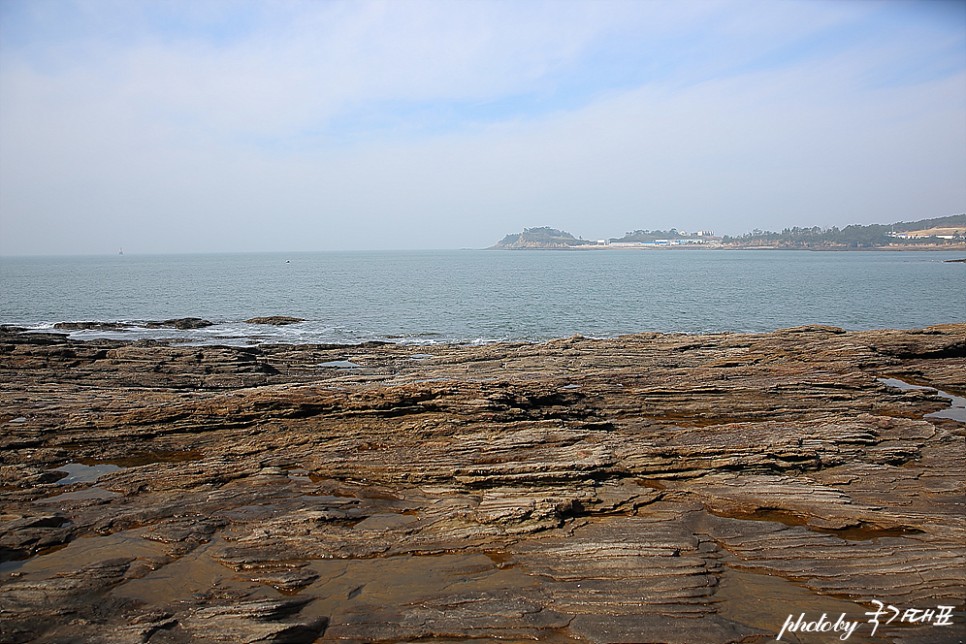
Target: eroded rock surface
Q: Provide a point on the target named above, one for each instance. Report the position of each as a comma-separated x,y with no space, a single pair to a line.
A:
649,488
275,320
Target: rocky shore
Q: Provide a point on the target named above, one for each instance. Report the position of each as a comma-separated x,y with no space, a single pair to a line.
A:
649,488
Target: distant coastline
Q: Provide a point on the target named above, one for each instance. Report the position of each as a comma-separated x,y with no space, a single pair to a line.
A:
943,233
952,246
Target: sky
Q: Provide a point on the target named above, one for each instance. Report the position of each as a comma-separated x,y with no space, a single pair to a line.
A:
235,126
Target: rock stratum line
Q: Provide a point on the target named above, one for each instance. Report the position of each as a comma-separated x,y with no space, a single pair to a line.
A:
648,488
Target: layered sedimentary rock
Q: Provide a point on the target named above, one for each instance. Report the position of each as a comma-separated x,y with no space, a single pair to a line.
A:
649,488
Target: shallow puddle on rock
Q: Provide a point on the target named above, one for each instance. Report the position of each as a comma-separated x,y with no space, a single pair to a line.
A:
862,531
902,385
147,458
79,496
80,473
88,550
163,582
192,575
340,364
957,404
384,522
773,515
765,602
15,565
349,590
865,532
956,410
501,559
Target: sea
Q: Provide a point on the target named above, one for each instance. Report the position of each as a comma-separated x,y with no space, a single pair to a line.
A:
481,296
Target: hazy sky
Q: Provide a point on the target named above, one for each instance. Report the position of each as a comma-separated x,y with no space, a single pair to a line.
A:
275,125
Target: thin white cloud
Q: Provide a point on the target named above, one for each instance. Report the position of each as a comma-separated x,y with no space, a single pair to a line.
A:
174,141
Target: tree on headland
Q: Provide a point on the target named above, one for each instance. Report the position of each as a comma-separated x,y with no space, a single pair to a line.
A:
853,236
932,233
644,236
541,237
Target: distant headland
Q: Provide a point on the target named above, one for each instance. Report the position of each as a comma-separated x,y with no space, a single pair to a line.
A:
942,233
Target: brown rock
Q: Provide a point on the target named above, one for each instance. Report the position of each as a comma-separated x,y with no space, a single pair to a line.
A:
181,323
672,488
275,320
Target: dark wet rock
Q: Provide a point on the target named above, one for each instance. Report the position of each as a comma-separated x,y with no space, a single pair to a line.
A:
22,536
175,323
672,488
91,326
142,627
183,324
34,606
275,320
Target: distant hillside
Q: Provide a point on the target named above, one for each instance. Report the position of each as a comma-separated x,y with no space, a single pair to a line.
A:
952,221
542,237
950,229
926,233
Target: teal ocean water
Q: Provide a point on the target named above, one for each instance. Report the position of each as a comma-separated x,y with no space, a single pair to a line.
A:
484,296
